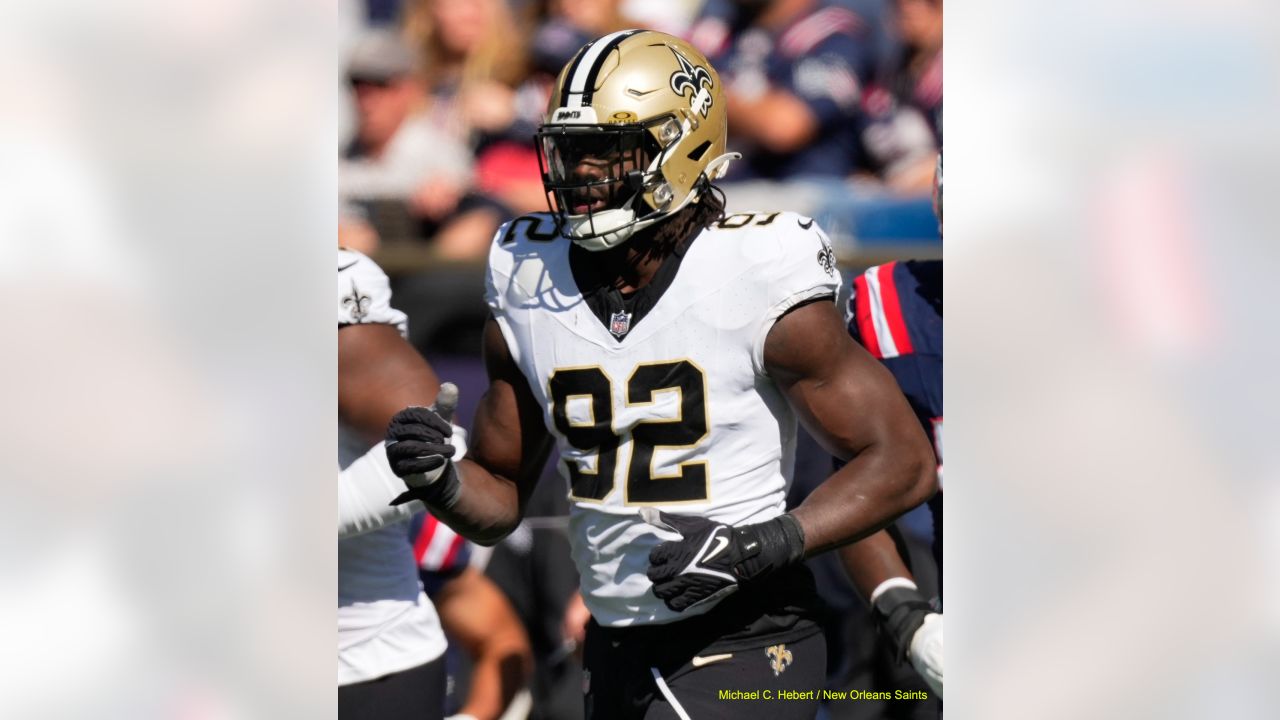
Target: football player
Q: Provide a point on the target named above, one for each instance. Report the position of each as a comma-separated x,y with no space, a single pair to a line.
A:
666,352
911,624
390,643
478,620
895,311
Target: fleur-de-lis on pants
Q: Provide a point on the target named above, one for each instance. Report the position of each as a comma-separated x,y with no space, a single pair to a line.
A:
779,658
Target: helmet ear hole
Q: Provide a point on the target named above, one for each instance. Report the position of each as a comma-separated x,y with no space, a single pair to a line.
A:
697,153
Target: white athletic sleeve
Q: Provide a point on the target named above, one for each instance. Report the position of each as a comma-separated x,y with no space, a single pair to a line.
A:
367,486
365,491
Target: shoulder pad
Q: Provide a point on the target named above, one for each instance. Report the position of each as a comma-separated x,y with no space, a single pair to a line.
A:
364,293
534,227
789,262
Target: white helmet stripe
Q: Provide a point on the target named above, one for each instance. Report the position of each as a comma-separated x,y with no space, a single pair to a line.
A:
588,65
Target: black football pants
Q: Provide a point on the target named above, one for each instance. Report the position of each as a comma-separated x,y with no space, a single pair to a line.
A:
629,678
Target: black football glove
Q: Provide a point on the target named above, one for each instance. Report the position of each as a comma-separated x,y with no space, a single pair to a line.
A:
419,450
712,559
914,629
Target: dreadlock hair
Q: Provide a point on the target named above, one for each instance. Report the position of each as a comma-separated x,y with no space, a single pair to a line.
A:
672,234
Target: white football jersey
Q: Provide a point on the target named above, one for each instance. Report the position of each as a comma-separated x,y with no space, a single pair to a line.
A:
385,622
679,414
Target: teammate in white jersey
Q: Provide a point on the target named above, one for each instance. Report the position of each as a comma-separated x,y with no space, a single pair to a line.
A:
390,644
667,351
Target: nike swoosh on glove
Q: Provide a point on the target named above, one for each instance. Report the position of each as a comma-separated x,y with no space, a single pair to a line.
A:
419,450
711,559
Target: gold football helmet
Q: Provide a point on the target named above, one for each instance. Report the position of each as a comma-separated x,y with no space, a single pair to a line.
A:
635,131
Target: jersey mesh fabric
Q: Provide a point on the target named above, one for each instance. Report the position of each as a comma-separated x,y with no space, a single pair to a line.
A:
679,414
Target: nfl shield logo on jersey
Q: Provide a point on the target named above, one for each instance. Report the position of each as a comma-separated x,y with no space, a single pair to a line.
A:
620,323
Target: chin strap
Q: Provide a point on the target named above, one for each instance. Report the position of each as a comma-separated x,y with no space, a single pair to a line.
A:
715,169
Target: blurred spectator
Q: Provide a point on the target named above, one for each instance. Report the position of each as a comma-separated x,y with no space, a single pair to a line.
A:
596,18
793,71
474,58
477,69
902,112
354,230
801,81
669,16
407,178
507,161
918,81
883,35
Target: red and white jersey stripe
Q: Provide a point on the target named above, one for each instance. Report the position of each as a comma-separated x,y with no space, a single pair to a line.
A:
437,546
878,312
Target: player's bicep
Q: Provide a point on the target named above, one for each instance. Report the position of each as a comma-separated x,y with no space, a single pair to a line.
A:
846,399
509,438
379,374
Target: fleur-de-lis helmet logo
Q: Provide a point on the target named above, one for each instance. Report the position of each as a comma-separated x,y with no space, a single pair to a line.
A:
697,80
779,658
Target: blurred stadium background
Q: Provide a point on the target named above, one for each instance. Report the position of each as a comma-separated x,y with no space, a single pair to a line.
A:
167,196
837,108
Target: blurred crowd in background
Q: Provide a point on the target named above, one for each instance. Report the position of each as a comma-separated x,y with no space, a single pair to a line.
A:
836,106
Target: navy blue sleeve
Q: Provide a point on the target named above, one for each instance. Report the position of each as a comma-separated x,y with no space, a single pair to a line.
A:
829,78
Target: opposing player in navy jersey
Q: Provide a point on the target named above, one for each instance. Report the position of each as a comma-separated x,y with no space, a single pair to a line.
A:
488,656
895,311
667,351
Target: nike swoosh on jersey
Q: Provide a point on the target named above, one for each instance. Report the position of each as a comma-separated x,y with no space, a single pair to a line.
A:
724,543
699,661
344,267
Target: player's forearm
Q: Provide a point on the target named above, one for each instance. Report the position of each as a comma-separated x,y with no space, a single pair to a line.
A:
912,624
487,506
879,484
871,561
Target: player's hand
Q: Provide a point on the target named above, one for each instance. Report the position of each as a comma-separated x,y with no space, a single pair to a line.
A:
419,447
915,631
711,559
926,652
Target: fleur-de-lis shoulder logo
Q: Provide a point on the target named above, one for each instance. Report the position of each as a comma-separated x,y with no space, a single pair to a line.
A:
779,658
827,259
696,80
358,302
